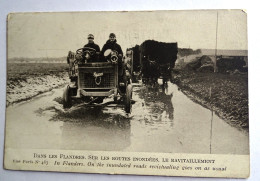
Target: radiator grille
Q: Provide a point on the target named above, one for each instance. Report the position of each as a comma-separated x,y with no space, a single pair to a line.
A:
87,80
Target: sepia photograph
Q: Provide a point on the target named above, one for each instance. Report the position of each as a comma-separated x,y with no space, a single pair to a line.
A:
119,86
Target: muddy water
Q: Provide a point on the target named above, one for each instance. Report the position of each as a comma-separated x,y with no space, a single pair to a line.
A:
163,119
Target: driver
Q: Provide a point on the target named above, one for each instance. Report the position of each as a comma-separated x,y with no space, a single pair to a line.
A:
91,44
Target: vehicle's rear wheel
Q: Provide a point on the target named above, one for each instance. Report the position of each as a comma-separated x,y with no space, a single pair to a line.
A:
128,98
67,103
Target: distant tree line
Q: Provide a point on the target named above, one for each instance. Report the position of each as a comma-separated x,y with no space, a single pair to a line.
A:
36,60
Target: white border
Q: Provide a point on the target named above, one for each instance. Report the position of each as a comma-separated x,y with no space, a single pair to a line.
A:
116,5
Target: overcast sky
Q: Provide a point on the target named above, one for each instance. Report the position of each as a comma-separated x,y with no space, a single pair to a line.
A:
54,34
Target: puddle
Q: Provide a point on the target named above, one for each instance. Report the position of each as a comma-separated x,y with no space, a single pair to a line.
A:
163,119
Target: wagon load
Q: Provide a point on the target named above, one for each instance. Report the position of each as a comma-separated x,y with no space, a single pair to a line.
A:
162,53
136,58
157,59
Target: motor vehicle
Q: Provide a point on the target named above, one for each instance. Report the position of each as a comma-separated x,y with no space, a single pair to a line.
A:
94,77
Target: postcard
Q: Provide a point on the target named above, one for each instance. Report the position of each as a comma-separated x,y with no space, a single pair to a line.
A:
131,92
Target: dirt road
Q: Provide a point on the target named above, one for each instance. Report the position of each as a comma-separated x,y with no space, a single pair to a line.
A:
162,120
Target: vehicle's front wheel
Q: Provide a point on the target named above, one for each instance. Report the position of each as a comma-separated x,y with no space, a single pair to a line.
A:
67,103
128,98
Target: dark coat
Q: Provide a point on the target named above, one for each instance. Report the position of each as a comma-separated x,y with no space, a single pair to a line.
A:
92,45
95,57
112,46
116,47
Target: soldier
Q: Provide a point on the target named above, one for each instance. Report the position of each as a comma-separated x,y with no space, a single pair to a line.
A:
91,44
111,44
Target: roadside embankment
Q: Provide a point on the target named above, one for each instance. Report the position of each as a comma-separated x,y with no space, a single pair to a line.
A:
225,94
26,80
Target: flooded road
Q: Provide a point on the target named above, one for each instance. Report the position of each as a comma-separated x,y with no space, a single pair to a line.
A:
163,119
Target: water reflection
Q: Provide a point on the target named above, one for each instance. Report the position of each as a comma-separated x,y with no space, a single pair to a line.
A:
158,102
94,128
109,127
43,124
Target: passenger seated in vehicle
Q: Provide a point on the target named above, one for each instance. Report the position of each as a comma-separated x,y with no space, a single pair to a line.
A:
93,57
112,44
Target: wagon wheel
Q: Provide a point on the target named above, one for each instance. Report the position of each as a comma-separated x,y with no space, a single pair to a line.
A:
67,103
128,98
